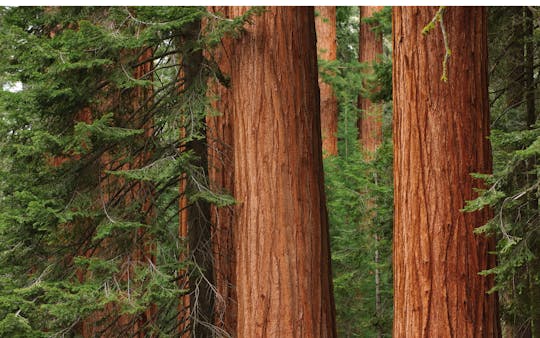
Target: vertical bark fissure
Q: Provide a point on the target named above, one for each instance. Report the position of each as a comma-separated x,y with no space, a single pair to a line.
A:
325,25
281,237
440,137
370,50
221,177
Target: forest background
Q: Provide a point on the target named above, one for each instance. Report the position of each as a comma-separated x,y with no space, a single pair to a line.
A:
107,208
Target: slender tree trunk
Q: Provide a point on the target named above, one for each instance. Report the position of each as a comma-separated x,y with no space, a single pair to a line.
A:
440,137
283,278
221,175
142,193
183,281
370,126
197,307
325,26
370,49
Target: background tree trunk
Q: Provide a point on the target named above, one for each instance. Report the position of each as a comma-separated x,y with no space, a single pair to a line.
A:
440,137
370,125
221,175
369,50
283,278
325,26
197,307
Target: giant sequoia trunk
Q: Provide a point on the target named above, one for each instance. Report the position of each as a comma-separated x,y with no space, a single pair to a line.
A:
325,25
370,48
283,278
440,137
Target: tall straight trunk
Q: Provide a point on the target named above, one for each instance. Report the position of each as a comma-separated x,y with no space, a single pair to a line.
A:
141,193
370,125
196,307
221,176
283,277
325,26
369,50
184,304
440,137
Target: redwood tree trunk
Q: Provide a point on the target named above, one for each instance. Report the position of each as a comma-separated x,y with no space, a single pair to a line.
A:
283,276
370,127
370,48
440,137
325,25
221,176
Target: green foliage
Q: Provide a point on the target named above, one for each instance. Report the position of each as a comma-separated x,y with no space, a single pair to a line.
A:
91,160
360,196
359,191
347,33
512,190
381,21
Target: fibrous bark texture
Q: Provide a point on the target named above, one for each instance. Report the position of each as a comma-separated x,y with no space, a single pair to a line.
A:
370,49
283,276
440,137
221,176
325,25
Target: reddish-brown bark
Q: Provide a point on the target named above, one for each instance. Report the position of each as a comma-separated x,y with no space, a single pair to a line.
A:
184,305
283,278
325,26
369,50
370,123
114,190
440,137
183,282
221,176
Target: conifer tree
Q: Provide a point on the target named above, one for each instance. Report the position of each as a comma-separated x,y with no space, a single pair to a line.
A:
283,280
513,188
90,157
441,124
